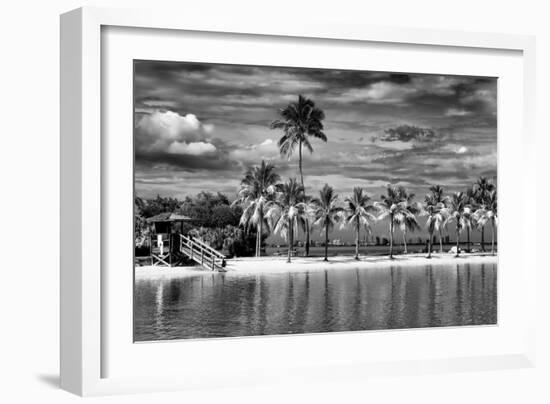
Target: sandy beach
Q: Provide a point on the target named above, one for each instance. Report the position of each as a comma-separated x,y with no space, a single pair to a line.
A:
253,265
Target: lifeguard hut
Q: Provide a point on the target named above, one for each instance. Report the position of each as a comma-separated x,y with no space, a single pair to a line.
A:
165,244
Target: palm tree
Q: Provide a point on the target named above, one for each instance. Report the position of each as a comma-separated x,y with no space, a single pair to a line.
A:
288,211
469,213
257,190
488,213
468,221
492,214
358,210
433,209
438,197
482,188
393,207
408,222
457,205
326,212
300,120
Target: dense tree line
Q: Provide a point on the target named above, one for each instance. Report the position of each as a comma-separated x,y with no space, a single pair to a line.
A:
213,219
274,207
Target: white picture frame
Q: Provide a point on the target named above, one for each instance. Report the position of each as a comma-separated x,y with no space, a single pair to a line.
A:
88,315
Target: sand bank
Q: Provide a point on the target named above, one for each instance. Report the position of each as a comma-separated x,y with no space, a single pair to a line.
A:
252,265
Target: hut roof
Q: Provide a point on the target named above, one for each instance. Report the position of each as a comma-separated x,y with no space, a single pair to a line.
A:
168,217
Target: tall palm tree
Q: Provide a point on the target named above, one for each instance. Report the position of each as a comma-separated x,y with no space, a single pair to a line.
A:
488,213
392,207
438,197
469,222
256,192
359,213
434,210
469,213
408,222
299,121
457,205
326,212
288,211
482,188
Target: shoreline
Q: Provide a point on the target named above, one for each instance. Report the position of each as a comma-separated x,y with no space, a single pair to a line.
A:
278,264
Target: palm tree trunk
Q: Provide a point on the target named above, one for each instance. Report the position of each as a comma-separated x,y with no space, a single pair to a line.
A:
483,238
493,237
302,181
326,243
405,240
430,245
357,229
259,246
391,237
290,240
300,163
457,239
468,233
257,240
440,242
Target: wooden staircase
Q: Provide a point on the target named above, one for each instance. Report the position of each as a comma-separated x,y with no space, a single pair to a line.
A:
202,253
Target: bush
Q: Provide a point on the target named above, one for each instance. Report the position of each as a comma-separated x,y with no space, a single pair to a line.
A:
142,251
231,240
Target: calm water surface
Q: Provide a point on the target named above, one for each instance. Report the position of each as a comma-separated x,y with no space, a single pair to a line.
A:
228,304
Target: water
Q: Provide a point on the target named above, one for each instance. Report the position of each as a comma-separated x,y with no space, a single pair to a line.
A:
228,305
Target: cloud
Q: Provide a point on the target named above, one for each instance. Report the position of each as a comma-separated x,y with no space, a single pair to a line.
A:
267,142
343,183
254,153
457,112
381,92
450,136
165,161
170,125
170,132
481,99
195,148
408,133
158,103
454,149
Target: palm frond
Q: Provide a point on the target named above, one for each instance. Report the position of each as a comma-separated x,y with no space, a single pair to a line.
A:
299,120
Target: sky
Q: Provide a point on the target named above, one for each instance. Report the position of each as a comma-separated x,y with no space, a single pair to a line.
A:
199,126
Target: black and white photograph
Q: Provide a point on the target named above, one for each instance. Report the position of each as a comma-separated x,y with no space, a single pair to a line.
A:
290,200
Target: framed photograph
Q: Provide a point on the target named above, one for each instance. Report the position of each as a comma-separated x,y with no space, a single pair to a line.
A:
244,203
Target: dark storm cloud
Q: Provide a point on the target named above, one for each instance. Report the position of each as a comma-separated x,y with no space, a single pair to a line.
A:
342,79
186,162
408,133
201,125
160,69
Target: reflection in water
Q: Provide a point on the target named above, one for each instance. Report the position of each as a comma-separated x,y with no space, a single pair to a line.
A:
228,304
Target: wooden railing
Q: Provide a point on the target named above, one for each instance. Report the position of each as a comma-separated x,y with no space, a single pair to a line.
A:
202,253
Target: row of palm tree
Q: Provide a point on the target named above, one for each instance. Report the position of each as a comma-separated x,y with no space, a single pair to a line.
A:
474,208
283,208
264,198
